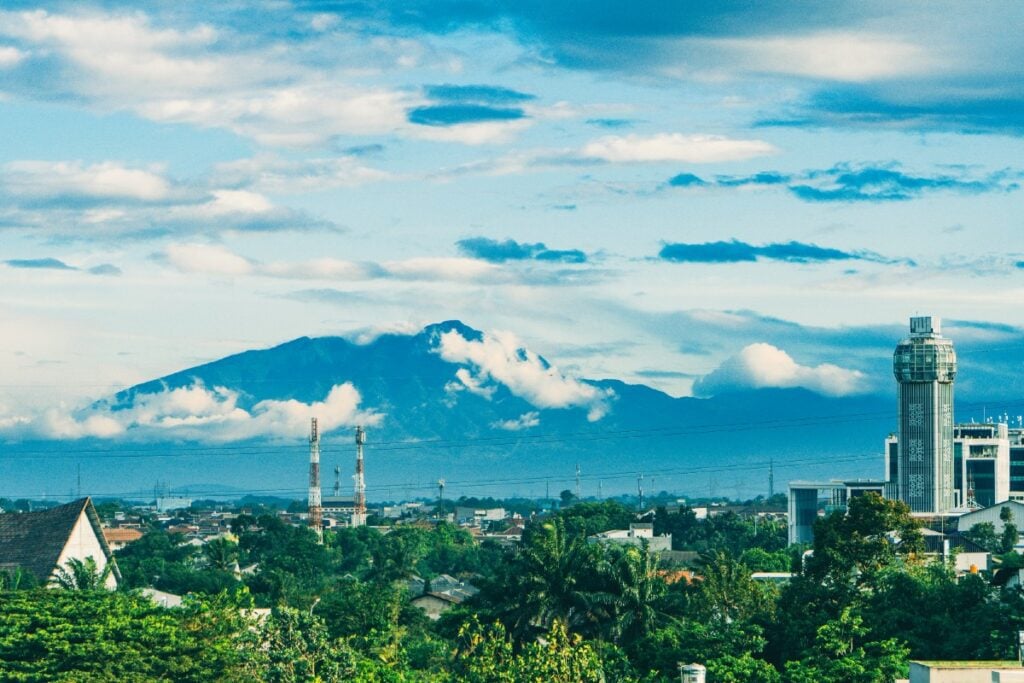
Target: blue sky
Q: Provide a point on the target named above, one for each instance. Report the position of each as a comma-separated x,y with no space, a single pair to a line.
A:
673,195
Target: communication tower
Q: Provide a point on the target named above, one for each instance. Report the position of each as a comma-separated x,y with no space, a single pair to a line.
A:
315,510
359,513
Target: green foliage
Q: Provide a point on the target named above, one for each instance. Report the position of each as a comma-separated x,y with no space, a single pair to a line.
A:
82,575
744,668
840,655
485,655
984,534
54,635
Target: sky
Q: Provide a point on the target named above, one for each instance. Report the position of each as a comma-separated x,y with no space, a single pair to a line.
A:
695,196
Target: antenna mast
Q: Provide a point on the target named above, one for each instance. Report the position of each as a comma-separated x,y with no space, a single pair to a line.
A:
337,481
315,511
577,481
359,514
771,478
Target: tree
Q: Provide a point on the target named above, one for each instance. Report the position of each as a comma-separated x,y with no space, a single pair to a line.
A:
82,575
726,591
851,551
298,649
840,655
93,636
485,655
221,553
1008,538
551,577
634,588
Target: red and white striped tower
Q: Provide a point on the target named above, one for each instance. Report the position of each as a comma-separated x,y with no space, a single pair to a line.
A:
359,513
315,510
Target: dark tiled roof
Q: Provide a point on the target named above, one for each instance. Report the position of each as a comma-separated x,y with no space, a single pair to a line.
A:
34,540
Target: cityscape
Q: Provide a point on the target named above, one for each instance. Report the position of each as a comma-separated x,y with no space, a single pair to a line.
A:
511,342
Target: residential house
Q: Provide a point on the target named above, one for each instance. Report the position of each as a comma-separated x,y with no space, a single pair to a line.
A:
44,541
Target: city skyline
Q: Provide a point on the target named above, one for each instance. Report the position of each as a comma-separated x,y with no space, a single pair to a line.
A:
701,199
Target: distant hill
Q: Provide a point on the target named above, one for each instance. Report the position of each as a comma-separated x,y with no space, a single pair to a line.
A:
496,440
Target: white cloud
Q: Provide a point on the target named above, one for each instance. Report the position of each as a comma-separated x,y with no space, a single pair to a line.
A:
454,269
213,78
108,180
210,259
524,421
196,412
762,366
271,173
216,259
326,268
481,133
10,56
850,57
674,147
500,358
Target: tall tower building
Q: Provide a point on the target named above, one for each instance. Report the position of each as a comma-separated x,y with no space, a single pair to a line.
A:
925,365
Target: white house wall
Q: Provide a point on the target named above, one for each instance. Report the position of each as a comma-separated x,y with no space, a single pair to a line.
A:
83,543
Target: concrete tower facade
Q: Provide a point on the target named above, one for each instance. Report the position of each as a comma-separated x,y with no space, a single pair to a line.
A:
925,366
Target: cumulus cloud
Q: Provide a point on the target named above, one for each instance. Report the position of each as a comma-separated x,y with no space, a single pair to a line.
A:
74,200
858,182
497,251
216,259
500,359
762,366
38,263
524,421
198,75
197,412
736,252
76,180
840,56
674,147
272,173
50,263
210,259
10,56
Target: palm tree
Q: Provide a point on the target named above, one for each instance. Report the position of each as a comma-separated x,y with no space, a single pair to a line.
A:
636,588
726,590
82,575
553,576
221,553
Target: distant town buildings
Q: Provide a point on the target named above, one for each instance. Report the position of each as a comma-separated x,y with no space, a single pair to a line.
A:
937,467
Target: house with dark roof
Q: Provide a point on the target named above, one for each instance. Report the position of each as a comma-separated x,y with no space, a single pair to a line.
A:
43,541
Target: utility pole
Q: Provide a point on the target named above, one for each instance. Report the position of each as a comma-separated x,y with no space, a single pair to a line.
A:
440,496
315,511
359,514
577,481
771,477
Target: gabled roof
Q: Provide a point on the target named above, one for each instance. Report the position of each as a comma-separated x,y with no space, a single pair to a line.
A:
35,540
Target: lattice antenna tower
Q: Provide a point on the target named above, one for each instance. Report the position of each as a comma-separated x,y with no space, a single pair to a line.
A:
337,481
359,508
315,510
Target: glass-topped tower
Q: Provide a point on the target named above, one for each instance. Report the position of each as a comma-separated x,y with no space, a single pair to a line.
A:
925,366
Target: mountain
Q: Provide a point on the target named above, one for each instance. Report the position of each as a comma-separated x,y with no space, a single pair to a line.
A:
450,402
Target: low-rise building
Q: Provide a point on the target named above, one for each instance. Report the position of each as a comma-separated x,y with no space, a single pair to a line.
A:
638,533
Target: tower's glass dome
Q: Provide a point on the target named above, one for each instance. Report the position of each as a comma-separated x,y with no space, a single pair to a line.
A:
924,359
